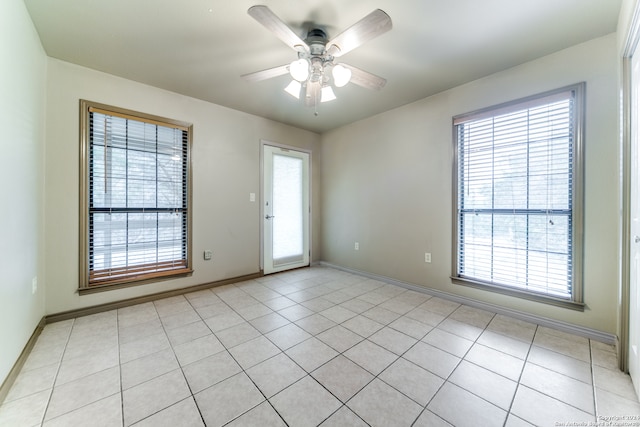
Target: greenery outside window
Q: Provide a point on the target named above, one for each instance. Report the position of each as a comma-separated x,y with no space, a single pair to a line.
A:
518,196
135,211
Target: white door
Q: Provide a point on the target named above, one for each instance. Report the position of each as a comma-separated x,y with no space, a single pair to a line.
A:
285,209
634,250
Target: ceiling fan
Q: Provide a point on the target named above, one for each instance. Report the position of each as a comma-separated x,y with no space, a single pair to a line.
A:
316,66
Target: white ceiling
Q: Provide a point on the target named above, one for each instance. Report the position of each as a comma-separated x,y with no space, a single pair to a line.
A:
200,48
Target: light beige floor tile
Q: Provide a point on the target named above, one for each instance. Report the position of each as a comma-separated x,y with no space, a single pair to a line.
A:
180,319
380,315
275,374
448,342
216,309
238,334
393,340
223,321
88,345
227,400
148,367
604,358
339,338
560,344
504,344
411,327
253,352
362,325
381,405
143,347
342,377
253,311
374,297
468,410
136,314
338,297
542,410
72,369
170,306
344,417
432,359
602,346
137,331
27,411
311,354
440,306
315,324
31,382
305,403
460,329
513,328
429,419
614,381
81,392
472,316
262,415
425,316
371,356
184,414
295,312
496,361
147,398
210,371
610,404
197,349
269,322
43,357
318,304
288,336
398,306
413,381
338,314
560,363
186,333
513,421
356,305
279,303
483,383
106,412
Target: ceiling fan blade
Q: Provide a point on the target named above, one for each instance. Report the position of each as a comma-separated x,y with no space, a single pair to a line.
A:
369,27
266,74
313,93
271,22
365,78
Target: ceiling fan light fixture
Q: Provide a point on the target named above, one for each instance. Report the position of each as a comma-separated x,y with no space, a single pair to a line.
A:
299,69
293,89
327,94
341,75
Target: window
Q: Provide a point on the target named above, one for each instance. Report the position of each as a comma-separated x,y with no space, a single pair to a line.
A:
135,197
518,197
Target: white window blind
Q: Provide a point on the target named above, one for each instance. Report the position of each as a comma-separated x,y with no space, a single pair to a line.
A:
137,198
516,205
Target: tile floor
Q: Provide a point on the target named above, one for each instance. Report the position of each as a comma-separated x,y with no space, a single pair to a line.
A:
313,347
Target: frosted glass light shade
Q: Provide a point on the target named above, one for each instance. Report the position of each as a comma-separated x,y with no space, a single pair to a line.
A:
299,69
327,94
341,75
293,89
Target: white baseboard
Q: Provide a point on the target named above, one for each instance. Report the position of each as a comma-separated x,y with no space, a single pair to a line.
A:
593,334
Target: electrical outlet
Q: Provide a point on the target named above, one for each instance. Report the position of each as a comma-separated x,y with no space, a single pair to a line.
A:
356,246
252,197
427,257
34,285
208,255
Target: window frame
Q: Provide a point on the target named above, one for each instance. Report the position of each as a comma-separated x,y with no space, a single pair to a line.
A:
576,301
85,286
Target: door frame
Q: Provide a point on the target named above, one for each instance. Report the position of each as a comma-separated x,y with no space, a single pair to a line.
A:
264,142
630,48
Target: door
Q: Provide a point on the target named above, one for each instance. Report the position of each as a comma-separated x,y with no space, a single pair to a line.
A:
285,209
634,206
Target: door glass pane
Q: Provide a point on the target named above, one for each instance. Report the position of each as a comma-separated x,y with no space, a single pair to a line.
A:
287,209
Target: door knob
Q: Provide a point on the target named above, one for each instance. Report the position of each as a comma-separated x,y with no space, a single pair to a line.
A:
637,239
269,216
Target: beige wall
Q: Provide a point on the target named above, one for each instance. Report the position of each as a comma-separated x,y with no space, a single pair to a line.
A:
226,168
386,183
22,100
